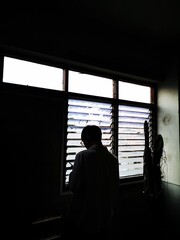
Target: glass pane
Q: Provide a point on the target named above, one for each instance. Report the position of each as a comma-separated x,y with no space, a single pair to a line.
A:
90,84
32,74
134,92
80,114
131,139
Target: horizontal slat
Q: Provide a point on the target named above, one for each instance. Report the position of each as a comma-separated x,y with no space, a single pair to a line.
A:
131,142
95,115
134,114
132,120
131,166
131,148
130,154
129,130
74,136
131,136
84,110
74,149
131,160
133,109
88,104
70,157
90,120
125,173
74,129
130,127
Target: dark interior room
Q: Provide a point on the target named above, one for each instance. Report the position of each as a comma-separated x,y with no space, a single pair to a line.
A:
65,64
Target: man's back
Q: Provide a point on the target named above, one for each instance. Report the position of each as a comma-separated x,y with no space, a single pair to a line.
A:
94,181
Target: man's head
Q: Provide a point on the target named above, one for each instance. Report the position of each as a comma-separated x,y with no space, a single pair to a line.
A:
90,135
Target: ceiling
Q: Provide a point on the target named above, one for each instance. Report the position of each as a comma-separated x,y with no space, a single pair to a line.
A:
135,37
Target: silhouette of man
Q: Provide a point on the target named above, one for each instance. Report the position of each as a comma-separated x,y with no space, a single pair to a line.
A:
94,182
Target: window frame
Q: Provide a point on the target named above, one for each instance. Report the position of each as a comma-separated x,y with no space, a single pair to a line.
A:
115,101
74,66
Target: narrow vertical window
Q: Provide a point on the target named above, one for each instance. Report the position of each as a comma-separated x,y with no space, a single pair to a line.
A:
131,139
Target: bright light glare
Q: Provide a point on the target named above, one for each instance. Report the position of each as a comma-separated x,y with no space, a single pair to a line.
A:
90,84
32,74
134,92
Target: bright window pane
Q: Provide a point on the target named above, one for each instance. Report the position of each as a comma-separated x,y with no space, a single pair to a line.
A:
90,84
131,139
134,92
80,114
32,74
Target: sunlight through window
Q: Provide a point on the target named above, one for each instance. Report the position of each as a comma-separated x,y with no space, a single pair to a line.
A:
32,74
90,84
134,92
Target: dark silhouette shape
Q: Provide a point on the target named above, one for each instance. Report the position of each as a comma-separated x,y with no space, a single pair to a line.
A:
152,169
94,182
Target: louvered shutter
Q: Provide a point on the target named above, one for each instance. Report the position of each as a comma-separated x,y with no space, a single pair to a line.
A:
80,114
131,139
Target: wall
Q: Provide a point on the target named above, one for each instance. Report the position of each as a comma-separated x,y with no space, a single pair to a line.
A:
168,127
32,143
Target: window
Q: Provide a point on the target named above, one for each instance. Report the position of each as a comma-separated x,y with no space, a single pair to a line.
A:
130,110
131,139
90,84
32,74
80,114
134,92
91,100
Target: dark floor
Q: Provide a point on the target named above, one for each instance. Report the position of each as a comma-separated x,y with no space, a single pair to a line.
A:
139,216
147,217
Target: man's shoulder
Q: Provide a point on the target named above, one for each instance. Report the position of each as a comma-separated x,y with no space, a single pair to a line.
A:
82,153
85,152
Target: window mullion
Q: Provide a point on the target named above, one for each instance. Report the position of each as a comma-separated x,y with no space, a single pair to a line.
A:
65,80
115,117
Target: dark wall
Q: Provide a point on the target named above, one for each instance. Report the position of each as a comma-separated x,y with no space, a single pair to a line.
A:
102,36
32,152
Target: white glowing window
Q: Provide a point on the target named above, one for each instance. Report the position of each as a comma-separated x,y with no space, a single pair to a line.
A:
32,74
90,84
134,92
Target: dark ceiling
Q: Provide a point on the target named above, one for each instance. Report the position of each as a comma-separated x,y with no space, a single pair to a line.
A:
139,37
